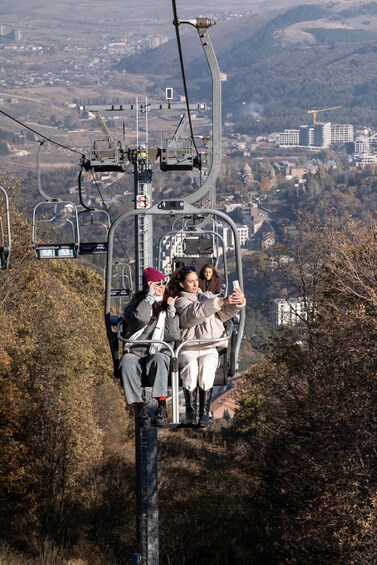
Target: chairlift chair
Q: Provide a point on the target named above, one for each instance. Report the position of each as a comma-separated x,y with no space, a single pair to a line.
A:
234,328
93,229
122,286
55,230
193,248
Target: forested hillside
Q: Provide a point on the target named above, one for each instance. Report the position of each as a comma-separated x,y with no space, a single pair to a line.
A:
293,480
63,421
311,56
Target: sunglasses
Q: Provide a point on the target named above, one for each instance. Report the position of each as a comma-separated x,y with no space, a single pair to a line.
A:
161,283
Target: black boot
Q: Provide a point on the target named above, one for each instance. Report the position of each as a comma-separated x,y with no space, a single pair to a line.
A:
190,402
204,403
143,416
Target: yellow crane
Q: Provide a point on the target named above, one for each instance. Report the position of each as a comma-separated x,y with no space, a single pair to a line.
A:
314,111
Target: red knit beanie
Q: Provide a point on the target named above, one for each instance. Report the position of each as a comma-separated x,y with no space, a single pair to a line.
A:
151,275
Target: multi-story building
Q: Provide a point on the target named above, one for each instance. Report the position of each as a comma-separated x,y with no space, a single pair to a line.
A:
226,233
306,136
342,133
15,35
366,158
243,234
157,41
322,134
289,311
315,135
289,138
361,145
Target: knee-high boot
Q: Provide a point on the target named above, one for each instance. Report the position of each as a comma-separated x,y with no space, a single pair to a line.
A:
190,402
204,404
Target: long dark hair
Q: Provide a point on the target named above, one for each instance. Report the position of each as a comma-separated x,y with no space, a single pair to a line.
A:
174,287
208,266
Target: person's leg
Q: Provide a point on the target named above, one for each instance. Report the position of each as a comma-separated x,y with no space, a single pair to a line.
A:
207,366
131,378
132,369
208,362
157,369
188,363
190,405
188,368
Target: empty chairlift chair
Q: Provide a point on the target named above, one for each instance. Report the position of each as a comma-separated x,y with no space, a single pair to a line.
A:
93,228
55,230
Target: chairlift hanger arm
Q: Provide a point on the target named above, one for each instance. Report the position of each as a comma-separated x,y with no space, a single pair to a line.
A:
209,186
178,155
80,191
178,130
101,158
41,191
105,129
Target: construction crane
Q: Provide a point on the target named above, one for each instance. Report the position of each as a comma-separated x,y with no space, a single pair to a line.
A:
314,111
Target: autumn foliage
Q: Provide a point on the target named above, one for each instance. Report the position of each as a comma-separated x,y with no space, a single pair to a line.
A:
293,480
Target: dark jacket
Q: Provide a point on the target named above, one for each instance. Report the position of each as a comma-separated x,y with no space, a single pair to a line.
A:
138,314
213,285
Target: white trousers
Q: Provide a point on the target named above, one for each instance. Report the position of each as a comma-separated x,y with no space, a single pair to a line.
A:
198,367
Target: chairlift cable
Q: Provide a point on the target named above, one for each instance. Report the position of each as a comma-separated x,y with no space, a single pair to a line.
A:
179,45
40,134
107,210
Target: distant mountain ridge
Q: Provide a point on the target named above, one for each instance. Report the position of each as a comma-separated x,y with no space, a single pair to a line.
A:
309,56
326,64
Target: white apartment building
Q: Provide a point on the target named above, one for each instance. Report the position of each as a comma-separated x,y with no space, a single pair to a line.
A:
171,247
289,138
362,145
342,133
290,312
243,234
366,158
227,234
321,134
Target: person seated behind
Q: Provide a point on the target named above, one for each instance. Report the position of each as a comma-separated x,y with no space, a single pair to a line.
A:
150,315
201,315
209,279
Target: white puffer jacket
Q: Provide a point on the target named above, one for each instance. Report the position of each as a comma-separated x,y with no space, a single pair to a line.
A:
200,316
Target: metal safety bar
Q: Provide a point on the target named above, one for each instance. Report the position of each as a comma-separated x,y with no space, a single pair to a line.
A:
174,363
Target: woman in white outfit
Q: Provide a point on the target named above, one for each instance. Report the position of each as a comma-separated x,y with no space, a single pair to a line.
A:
201,315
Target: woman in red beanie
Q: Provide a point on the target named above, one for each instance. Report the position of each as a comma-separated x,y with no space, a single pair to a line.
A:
150,315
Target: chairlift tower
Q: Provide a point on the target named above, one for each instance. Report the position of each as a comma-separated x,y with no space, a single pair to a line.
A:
114,157
170,159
